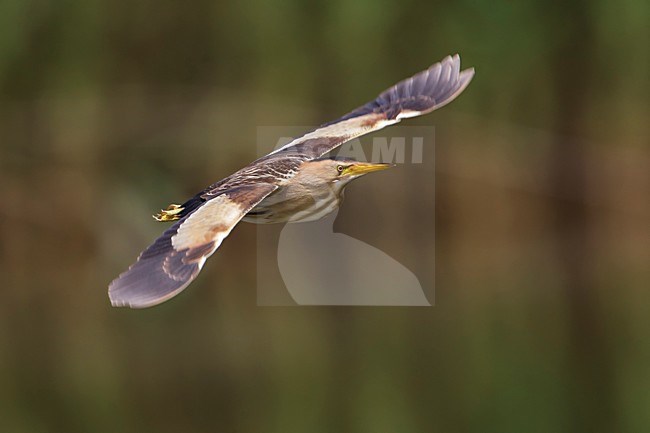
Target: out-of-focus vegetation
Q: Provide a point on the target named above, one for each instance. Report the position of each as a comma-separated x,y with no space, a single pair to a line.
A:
110,110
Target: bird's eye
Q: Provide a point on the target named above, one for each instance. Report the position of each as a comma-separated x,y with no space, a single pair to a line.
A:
339,168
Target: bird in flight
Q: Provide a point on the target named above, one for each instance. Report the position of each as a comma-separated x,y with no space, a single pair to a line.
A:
294,183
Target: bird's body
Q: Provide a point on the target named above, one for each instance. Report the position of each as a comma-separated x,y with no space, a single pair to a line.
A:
307,197
295,203
295,183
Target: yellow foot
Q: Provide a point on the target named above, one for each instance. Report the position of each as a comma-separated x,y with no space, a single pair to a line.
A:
169,214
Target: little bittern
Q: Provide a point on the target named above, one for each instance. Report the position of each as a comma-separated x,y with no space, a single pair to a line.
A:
291,184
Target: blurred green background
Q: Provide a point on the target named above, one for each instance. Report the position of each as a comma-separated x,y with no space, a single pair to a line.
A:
110,110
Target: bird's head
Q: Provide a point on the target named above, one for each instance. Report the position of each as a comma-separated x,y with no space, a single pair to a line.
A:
335,173
339,171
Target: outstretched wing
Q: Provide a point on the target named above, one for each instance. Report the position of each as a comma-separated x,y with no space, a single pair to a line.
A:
420,94
166,267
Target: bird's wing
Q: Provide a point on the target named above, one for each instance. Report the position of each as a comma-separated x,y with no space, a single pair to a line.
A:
420,94
167,266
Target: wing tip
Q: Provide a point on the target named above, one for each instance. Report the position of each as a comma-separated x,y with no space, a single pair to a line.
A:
124,291
439,85
118,303
140,302
465,77
114,296
454,84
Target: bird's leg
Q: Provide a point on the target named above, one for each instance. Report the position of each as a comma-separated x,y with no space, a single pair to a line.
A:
169,214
